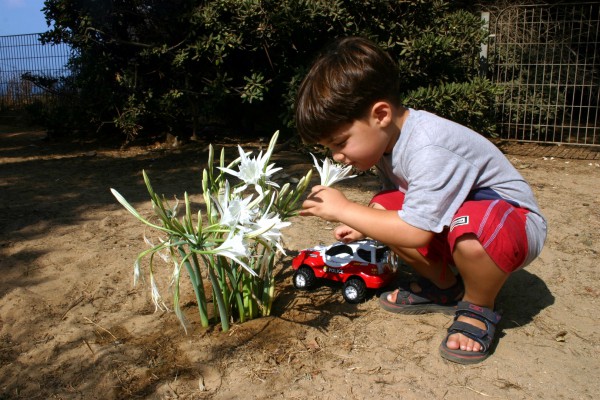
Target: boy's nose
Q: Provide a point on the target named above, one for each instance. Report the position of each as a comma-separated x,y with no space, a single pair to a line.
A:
338,157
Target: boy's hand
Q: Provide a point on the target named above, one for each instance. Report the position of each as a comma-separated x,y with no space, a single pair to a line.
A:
324,202
347,234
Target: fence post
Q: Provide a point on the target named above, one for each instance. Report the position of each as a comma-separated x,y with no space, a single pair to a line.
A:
483,54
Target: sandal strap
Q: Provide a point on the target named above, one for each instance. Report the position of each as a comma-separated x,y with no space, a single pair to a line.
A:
482,336
406,297
430,293
483,314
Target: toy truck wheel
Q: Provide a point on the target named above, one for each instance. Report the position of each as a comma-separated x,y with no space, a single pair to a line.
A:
355,290
304,278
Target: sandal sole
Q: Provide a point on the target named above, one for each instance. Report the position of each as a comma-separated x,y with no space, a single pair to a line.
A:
486,338
461,356
415,309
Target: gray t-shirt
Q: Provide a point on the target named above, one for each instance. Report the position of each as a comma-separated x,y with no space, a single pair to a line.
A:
440,164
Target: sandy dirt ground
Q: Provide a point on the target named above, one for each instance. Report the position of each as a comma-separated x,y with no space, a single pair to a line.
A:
73,326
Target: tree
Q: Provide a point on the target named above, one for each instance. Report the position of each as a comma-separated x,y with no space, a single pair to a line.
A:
151,66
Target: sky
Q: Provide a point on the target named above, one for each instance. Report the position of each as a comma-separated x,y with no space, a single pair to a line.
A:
18,17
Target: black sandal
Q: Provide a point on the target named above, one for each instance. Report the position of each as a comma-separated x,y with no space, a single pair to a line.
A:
484,337
430,299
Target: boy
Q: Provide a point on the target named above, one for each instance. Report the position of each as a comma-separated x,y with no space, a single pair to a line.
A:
452,197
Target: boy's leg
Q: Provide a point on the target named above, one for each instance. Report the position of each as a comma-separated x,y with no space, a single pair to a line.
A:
488,241
432,269
482,278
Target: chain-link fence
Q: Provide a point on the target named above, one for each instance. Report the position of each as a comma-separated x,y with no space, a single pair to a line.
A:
29,70
546,58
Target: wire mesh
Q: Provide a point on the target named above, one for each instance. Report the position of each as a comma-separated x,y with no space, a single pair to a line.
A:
29,69
546,60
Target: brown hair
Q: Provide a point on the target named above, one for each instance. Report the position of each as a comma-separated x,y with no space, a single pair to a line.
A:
348,77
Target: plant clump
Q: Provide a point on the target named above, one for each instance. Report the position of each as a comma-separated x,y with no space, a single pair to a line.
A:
232,246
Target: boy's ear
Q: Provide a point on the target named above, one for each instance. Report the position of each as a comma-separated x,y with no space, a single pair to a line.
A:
381,112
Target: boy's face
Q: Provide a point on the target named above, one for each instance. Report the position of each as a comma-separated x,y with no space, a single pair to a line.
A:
360,144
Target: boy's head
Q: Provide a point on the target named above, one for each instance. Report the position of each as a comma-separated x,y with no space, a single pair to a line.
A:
348,77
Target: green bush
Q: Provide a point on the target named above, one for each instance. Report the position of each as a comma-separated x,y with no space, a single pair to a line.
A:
471,103
153,66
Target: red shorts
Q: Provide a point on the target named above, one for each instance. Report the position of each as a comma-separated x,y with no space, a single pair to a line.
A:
499,226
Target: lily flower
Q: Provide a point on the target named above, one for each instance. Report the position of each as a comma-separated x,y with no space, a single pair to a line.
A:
235,248
268,228
331,172
235,210
156,297
137,270
253,171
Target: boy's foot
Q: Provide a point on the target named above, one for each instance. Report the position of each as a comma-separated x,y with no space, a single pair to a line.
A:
423,297
471,335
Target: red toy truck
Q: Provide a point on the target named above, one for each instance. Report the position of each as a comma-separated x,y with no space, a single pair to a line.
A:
361,265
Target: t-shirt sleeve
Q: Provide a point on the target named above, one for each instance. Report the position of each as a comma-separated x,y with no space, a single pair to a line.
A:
439,181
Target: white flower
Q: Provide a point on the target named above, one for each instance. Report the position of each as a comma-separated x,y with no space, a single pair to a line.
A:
235,248
176,272
235,210
331,172
268,228
253,171
136,272
156,298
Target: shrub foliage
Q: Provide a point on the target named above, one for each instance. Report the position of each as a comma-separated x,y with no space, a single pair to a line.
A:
154,66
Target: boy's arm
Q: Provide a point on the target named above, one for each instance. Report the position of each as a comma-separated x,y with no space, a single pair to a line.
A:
383,225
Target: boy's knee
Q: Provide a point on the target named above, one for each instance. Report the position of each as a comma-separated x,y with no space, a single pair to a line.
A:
387,200
469,246
377,206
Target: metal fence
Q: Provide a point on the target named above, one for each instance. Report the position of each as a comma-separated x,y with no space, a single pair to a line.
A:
545,57
28,69
546,60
